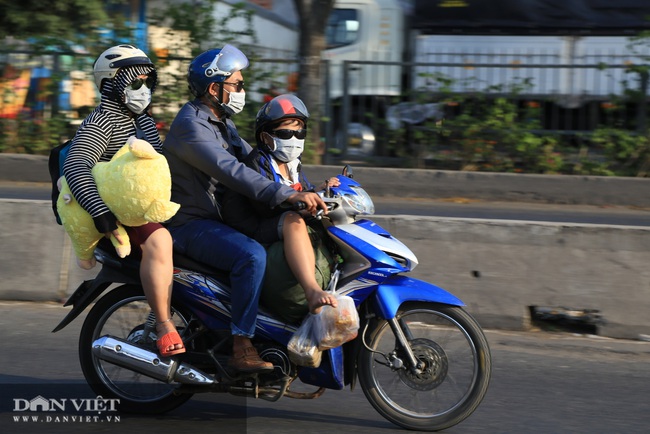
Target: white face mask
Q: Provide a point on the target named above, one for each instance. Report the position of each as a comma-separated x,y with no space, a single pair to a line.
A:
236,102
137,100
289,149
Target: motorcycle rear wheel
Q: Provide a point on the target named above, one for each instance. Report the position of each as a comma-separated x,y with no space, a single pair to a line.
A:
123,313
456,360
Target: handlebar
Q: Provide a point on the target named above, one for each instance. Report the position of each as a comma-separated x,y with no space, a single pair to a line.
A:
300,206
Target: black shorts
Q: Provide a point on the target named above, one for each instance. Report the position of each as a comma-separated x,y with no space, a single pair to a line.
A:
269,230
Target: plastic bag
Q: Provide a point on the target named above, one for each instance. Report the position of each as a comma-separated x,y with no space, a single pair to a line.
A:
413,113
303,349
334,326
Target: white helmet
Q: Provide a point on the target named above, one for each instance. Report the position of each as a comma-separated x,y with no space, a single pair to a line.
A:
111,60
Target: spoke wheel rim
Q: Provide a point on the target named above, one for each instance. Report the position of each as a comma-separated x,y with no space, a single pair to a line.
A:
443,388
126,320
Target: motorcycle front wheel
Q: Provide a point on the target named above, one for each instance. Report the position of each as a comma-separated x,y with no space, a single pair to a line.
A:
125,313
454,367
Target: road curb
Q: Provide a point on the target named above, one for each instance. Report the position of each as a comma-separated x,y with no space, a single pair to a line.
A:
433,184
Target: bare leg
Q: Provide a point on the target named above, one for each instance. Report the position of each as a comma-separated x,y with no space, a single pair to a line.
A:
300,257
156,269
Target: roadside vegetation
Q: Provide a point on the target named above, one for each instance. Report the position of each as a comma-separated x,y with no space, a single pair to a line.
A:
477,133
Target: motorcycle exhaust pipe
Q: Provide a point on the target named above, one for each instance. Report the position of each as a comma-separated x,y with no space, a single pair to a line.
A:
129,356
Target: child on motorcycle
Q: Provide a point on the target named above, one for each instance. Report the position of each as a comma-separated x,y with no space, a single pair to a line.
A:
280,131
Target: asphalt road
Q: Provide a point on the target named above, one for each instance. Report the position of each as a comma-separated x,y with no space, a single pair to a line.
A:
459,207
542,382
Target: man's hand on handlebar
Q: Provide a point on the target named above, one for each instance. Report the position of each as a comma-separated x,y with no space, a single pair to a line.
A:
311,200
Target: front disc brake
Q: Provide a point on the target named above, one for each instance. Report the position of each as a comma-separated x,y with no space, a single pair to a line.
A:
435,366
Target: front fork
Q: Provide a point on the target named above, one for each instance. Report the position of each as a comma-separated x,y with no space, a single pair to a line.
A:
403,335
392,294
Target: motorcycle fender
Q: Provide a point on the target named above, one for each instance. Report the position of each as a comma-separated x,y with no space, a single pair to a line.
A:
399,289
89,290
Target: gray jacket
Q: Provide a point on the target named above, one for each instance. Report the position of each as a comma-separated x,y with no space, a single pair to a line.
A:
204,155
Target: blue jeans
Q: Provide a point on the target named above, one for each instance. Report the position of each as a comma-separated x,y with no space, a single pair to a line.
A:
220,246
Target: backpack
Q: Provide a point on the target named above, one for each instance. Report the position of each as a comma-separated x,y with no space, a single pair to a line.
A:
281,293
55,164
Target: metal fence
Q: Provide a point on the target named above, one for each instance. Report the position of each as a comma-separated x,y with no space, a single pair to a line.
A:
37,89
565,100
45,84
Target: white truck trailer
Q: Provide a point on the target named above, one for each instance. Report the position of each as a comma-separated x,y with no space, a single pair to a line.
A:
573,54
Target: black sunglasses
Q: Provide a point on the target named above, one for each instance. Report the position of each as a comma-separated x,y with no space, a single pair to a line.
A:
287,134
239,85
138,82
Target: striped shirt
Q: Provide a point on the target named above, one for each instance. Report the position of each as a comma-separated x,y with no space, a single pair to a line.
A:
98,138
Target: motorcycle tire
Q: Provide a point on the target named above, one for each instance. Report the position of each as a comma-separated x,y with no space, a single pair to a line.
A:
123,313
455,367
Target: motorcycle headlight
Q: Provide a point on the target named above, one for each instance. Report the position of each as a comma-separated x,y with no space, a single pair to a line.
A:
360,201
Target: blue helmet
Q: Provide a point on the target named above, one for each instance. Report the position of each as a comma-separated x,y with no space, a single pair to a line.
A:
214,66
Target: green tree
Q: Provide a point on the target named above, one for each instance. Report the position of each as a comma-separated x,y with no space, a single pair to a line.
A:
49,34
202,29
196,19
207,30
59,24
627,153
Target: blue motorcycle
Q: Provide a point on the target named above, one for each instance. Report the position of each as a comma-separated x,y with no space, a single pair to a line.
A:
421,360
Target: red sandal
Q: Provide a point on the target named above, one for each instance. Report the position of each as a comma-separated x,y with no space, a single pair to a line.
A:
167,340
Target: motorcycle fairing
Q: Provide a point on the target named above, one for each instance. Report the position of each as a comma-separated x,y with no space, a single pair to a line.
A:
377,257
345,185
330,372
210,301
202,289
397,290
374,227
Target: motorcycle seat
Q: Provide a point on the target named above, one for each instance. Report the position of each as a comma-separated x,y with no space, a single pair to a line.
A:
131,264
182,261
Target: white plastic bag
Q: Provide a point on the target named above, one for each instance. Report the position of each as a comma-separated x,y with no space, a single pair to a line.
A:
303,349
334,326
